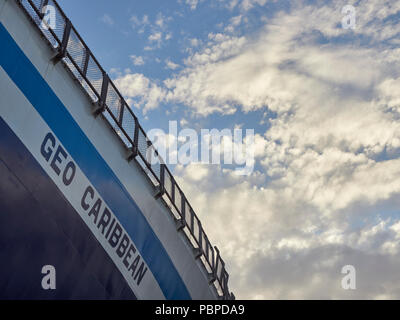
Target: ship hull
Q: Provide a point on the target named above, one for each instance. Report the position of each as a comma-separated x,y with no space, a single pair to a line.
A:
69,198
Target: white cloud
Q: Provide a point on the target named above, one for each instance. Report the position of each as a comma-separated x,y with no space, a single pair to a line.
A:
171,65
249,4
162,21
139,23
192,3
107,19
168,36
197,172
137,60
159,31
234,23
156,36
194,42
140,91
244,5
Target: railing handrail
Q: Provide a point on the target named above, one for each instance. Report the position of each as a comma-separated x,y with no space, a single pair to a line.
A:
135,141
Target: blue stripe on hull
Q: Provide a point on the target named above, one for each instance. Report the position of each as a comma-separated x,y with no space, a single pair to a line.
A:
39,227
37,91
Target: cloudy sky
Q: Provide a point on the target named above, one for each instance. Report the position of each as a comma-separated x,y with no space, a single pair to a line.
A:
324,102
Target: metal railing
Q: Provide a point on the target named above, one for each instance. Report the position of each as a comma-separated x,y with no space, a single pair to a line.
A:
71,50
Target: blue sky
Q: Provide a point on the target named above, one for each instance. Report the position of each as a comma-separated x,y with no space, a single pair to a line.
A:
324,102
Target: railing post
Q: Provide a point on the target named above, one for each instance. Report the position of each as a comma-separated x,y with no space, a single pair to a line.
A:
197,253
136,138
182,220
101,104
191,219
217,258
162,177
211,278
135,146
161,187
225,288
172,190
200,236
212,275
183,207
180,224
62,51
121,112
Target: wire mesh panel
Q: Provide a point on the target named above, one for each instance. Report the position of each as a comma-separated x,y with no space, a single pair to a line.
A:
33,4
30,7
76,49
178,200
94,75
204,244
155,161
77,73
196,229
207,250
113,101
72,67
149,156
114,108
94,97
168,183
142,144
188,215
128,124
